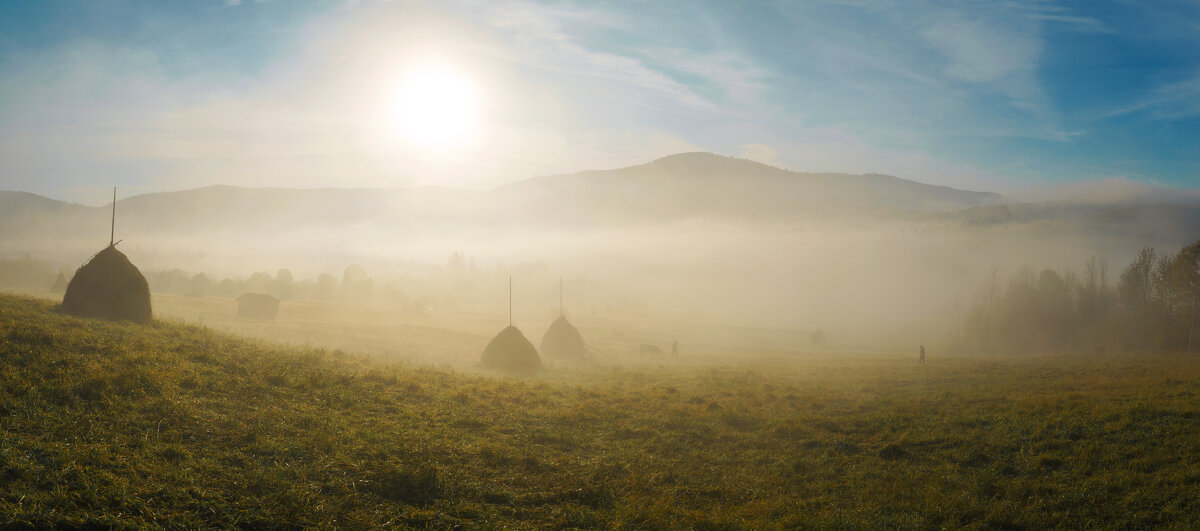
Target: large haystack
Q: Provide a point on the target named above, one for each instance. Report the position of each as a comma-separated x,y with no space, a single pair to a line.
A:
563,341
509,351
109,287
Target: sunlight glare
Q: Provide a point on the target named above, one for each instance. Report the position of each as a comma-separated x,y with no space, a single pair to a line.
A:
437,108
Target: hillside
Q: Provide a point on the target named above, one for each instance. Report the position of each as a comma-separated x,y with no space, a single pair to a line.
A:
691,185
678,188
116,425
1145,222
685,186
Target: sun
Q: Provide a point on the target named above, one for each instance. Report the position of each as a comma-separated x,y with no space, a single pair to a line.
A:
437,108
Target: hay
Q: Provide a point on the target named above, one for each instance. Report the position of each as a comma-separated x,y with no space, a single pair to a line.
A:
108,287
509,351
563,341
60,284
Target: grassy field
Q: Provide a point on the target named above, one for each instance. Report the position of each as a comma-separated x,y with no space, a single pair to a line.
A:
176,425
454,339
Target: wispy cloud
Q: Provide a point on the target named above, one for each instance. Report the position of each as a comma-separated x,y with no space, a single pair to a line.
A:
739,78
1077,23
984,52
540,40
1170,101
998,52
839,85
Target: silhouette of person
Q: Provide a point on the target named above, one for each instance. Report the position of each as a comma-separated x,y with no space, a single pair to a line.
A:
922,358
674,349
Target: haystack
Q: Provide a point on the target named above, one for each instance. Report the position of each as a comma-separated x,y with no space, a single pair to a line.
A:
60,284
109,287
563,341
509,351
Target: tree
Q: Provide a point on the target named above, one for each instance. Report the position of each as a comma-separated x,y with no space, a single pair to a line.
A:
355,282
456,266
1135,291
1019,311
1093,295
259,282
1186,272
326,286
281,285
1167,297
199,286
1136,284
981,321
1055,310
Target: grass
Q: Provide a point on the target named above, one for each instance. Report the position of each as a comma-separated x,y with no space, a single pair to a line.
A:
173,425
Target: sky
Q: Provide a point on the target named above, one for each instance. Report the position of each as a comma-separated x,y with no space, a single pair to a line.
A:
999,96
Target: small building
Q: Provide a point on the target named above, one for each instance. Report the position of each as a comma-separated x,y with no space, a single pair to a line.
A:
258,306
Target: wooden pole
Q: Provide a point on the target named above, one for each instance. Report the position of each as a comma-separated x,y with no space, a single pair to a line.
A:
510,300
112,231
561,312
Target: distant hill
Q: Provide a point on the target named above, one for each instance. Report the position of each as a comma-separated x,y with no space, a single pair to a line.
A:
692,185
1147,222
678,187
683,187
23,214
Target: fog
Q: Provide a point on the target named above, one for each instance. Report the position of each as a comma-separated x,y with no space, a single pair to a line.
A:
869,277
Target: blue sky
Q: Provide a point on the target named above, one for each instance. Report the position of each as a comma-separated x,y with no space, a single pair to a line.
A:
1006,96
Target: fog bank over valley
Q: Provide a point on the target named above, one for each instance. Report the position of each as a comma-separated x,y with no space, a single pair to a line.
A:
695,238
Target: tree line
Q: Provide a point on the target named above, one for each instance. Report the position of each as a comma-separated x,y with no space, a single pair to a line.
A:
1152,305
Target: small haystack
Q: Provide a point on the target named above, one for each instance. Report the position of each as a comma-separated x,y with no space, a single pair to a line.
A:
509,351
563,341
60,284
108,287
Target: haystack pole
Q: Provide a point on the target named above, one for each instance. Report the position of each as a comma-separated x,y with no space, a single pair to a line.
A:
109,286
112,228
509,351
562,340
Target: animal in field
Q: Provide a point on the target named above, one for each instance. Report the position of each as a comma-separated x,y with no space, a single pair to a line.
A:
647,349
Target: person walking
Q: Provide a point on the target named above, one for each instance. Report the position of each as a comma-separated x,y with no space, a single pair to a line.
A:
921,360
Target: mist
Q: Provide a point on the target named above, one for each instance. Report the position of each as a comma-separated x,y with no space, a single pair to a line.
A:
694,240
579,265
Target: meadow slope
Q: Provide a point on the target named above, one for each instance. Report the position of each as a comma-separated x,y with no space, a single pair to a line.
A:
174,425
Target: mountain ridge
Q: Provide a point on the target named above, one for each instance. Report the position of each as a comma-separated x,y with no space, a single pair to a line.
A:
678,187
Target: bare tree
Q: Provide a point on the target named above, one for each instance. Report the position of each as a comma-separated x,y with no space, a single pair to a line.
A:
1136,284
1135,291
1187,274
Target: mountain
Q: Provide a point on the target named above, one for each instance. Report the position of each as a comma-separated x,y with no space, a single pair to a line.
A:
677,187
228,207
1147,222
691,185
26,214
